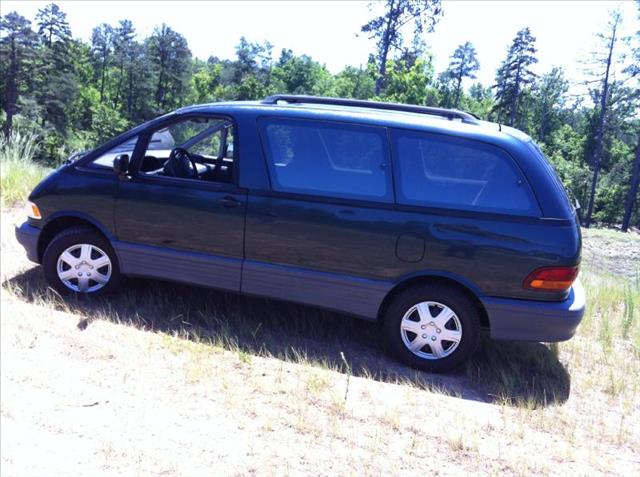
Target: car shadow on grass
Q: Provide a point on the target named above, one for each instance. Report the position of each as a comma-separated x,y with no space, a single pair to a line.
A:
520,374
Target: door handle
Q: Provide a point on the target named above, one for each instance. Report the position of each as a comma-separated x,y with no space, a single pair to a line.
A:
229,201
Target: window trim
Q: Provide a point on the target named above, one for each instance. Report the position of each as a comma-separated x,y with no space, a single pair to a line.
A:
93,167
90,156
534,211
388,199
145,137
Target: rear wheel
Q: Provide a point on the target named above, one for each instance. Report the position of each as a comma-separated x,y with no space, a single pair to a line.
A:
432,327
80,260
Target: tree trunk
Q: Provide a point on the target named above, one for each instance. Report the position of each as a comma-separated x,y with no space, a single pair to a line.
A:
633,191
514,104
119,87
384,52
11,90
458,88
130,94
599,138
103,73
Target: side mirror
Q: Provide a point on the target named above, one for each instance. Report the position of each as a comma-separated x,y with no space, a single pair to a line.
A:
121,164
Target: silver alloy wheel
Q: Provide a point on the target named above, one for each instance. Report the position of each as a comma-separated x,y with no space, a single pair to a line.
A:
431,330
84,268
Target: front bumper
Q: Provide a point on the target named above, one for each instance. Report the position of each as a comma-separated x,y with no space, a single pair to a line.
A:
28,236
525,320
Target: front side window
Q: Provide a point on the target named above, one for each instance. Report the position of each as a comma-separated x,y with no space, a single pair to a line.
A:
327,159
105,160
198,148
435,170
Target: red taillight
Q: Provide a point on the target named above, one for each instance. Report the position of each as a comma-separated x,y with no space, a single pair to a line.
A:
551,278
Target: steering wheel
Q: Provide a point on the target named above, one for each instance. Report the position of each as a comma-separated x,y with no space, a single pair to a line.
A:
181,164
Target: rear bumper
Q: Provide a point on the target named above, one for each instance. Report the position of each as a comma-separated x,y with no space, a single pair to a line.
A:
28,236
525,320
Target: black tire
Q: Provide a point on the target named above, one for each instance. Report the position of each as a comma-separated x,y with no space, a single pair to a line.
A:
465,311
68,238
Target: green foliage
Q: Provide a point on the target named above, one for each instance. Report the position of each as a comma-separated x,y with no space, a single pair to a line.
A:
464,64
300,75
565,150
206,84
514,75
479,101
548,103
408,85
107,122
18,47
171,62
386,29
356,83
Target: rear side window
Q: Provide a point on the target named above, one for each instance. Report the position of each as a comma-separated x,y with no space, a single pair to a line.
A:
443,171
327,159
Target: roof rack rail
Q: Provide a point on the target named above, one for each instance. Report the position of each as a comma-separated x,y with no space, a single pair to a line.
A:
360,103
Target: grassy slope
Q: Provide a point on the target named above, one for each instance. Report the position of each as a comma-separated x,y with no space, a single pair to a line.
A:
18,173
179,380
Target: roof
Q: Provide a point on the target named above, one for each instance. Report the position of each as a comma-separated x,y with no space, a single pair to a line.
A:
371,113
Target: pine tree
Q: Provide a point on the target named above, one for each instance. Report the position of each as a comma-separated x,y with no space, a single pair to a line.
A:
603,60
52,25
632,195
633,69
464,63
252,69
102,48
513,76
549,98
17,45
171,60
387,28
57,84
123,45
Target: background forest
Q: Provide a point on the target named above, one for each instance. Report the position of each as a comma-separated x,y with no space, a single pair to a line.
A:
61,94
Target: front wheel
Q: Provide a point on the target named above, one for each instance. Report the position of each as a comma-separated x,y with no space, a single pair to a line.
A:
80,260
432,327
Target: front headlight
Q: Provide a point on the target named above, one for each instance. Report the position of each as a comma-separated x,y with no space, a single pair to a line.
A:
33,211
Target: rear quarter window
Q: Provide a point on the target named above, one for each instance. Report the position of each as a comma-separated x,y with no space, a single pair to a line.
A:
564,191
436,170
327,159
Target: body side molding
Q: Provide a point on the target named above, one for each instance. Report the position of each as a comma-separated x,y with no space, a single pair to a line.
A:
179,265
343,293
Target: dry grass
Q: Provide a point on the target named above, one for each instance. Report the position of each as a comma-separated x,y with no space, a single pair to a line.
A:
19,174
175,380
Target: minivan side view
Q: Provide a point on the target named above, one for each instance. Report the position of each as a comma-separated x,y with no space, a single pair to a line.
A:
432,222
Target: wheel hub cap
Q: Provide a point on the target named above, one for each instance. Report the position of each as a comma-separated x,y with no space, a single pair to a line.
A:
84,268
431,330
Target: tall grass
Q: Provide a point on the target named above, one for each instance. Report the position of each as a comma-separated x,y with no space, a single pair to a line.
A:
19,174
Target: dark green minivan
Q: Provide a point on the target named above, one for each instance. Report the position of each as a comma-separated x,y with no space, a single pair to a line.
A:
429,220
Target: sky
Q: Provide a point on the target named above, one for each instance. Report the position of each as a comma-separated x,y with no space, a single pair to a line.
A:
328,31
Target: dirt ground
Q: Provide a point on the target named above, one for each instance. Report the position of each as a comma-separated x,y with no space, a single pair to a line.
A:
612,251
121,388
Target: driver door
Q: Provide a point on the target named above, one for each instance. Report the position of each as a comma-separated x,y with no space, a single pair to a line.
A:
187,229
